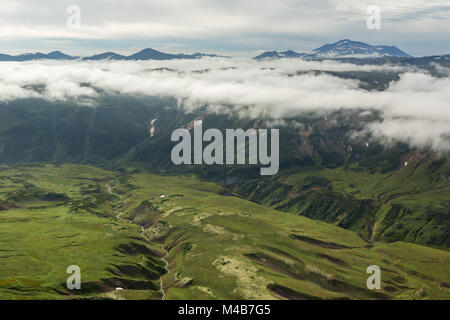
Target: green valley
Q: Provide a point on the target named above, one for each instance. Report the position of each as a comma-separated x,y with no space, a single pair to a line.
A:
138,235
409,203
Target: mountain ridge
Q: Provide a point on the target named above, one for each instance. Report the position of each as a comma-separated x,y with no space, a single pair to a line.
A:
144,54
54,55
394,194
341,49
348,47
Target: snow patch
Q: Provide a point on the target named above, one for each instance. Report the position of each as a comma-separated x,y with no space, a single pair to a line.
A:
152,128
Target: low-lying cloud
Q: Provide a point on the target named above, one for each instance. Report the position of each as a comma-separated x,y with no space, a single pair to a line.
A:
415,109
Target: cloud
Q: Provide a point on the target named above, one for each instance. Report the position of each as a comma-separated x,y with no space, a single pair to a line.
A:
416,109
247,24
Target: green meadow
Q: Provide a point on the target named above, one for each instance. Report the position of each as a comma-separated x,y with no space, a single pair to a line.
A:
137,235
410,203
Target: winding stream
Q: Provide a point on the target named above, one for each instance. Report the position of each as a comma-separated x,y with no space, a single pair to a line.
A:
166,253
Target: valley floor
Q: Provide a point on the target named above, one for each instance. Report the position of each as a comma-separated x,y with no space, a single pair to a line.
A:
136,235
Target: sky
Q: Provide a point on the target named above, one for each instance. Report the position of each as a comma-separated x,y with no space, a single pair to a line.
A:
234,27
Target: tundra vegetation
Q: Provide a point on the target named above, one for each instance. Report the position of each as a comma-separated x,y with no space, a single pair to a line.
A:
197,242
88,181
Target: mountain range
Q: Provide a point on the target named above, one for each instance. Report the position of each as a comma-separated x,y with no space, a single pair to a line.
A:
149,54
55,55
145,54
348,47
92,183
284,54
342,49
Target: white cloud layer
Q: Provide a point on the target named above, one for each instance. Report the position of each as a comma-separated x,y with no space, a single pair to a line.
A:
416,109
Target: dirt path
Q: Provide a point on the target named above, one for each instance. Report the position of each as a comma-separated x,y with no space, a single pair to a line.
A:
166,253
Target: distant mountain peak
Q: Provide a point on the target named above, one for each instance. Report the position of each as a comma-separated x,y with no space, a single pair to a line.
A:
347,47
152,54
54,55
280,55
340,49
105,56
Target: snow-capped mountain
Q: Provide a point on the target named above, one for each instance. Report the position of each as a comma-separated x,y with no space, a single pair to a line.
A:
348,47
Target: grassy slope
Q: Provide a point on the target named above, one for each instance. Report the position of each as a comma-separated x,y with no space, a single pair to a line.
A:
227,247
218,246
39,240
415,197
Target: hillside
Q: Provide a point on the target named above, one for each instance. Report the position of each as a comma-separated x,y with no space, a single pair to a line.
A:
390,195
348,47
199,242
409,203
